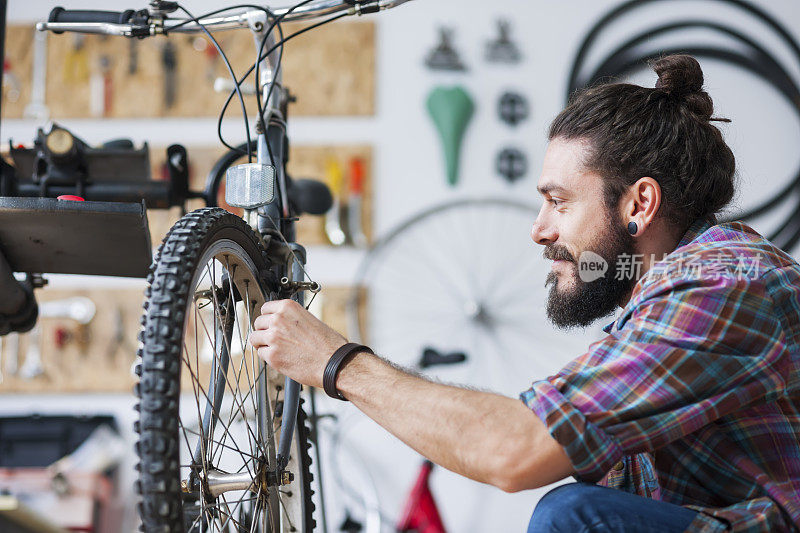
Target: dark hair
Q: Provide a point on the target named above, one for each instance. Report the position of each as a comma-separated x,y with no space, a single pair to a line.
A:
663,132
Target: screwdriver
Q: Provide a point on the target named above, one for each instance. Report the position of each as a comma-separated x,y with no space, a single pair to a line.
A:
333,221
355,202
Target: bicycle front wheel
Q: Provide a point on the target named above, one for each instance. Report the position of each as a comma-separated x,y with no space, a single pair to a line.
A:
210,409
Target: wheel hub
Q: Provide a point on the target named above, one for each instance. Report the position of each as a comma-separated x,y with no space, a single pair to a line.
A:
219,482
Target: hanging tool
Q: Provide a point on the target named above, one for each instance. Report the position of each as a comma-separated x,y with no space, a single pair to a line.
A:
512,108
451,110
355,202
133,56
169,60
12,354
78,308
511,164
503,49
37,108
444,56
75,68
11,83
333,218
100,88
61,337
225,85
32,366
120,341
108,94
200,44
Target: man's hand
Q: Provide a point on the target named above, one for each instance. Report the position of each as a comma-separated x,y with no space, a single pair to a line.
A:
293,341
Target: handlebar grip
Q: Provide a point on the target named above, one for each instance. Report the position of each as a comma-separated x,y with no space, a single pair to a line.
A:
59,14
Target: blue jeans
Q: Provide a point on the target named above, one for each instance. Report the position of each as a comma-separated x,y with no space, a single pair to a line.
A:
583,507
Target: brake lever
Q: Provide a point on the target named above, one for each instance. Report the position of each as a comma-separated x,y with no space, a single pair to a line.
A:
162,7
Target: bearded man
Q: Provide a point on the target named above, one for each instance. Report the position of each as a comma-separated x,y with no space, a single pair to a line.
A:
685,416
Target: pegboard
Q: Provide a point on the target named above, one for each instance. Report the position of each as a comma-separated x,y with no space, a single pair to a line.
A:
99,356
92,357
329,69
333,310
304,162
17,77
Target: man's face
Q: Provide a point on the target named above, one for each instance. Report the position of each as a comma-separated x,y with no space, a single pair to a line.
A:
573,225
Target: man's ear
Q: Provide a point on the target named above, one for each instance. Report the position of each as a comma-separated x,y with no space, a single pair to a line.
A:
641,203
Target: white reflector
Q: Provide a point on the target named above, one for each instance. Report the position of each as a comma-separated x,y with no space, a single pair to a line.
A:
249,185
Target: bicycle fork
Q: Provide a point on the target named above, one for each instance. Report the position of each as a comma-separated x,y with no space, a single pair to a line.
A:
291,399
219,482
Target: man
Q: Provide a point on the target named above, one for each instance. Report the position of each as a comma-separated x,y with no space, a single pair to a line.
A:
685,417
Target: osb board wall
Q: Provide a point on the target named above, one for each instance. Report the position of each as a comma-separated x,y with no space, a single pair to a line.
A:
304,162
310,162
19,54
330,69
99,356
335,309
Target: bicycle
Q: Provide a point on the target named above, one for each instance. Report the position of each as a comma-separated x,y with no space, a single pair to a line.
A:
244,463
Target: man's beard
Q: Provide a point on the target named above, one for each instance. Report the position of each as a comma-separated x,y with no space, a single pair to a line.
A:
586,302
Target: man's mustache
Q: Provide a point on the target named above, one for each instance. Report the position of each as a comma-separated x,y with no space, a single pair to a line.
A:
556,253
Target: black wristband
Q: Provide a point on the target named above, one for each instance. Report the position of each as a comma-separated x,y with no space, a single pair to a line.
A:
334,363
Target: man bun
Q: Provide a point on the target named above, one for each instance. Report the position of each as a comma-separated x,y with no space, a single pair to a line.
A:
681,77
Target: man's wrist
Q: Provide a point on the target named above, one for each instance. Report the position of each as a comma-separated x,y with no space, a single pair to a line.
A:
353,371
334,365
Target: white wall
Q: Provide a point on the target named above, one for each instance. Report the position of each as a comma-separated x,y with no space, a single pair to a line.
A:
408,163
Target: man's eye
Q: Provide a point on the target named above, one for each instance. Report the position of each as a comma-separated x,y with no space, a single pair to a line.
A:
555,202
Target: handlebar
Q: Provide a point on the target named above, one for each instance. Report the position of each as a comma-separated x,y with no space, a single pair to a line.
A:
132,23
59,14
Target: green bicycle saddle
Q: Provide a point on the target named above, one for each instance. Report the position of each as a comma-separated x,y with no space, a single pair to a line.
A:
451,109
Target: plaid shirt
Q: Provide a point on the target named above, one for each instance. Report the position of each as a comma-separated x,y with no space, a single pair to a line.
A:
693,397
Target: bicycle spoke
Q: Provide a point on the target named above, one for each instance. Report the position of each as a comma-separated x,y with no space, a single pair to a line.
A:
257,380
227,381
257,507
203,451
441,278
225,427
231,448
286,514
231,514
238,374
227,346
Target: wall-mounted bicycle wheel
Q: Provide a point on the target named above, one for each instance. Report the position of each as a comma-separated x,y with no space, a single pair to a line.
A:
210,409
463,279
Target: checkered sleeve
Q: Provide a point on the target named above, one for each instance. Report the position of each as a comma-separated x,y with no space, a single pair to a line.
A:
689,352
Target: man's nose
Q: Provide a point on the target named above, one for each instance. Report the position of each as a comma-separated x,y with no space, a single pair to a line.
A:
543,233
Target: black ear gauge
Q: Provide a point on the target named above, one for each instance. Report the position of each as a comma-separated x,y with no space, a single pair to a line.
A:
632,228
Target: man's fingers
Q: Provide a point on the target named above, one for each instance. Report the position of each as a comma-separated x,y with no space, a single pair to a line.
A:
255,339
270,307
261,322
277,306
264,353
260,338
